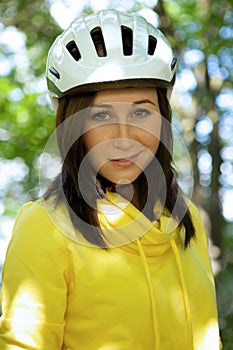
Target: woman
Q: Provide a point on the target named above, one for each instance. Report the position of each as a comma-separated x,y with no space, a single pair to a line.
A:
113,256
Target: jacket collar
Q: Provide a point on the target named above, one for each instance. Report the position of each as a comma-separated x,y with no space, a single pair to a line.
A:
123,224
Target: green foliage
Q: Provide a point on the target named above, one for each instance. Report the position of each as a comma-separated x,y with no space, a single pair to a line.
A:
225,290
26,119
25,125
225,304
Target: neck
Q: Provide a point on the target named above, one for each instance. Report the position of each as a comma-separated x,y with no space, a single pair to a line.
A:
129,192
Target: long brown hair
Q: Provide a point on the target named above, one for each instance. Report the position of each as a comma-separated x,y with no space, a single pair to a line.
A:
83,211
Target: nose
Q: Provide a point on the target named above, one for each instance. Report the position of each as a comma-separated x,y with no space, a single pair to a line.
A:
123,137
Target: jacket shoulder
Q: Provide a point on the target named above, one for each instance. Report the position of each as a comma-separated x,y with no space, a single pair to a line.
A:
34,225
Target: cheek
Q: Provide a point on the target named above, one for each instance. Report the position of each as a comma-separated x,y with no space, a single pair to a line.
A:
92,139
155,136
150,138
96,147
153,144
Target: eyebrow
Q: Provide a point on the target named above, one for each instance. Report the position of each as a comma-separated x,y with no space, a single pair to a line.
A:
144,101
105,105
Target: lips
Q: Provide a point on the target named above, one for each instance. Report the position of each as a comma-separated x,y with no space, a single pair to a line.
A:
126,161
131,157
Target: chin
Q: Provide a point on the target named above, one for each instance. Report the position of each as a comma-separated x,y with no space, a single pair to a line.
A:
122,180
121,177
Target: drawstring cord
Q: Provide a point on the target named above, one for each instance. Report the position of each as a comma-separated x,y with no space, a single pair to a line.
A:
150,287
185,293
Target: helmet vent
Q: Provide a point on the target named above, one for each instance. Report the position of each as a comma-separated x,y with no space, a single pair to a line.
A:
152,43
98,41
54,72
173,64
127,40
73,50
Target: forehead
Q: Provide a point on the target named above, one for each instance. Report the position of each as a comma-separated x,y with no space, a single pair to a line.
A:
128,95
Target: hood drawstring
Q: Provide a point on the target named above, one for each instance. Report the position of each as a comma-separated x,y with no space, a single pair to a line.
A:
151,292
152,298
184,292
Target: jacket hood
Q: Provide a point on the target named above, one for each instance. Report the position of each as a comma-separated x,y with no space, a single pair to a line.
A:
123,224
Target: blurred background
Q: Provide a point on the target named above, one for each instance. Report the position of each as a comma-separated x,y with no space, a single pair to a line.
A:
201,33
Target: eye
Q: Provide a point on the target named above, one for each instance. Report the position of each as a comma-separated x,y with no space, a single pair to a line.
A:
141,113
101,116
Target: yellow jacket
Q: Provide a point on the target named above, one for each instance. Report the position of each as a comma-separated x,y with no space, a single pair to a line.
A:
59,292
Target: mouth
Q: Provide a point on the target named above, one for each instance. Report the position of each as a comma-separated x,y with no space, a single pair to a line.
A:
126,161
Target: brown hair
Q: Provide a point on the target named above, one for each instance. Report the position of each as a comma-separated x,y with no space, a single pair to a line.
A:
83,211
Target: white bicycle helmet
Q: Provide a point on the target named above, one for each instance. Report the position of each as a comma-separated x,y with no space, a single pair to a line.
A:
108,47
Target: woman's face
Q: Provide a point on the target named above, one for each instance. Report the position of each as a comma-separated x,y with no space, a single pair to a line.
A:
122,131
